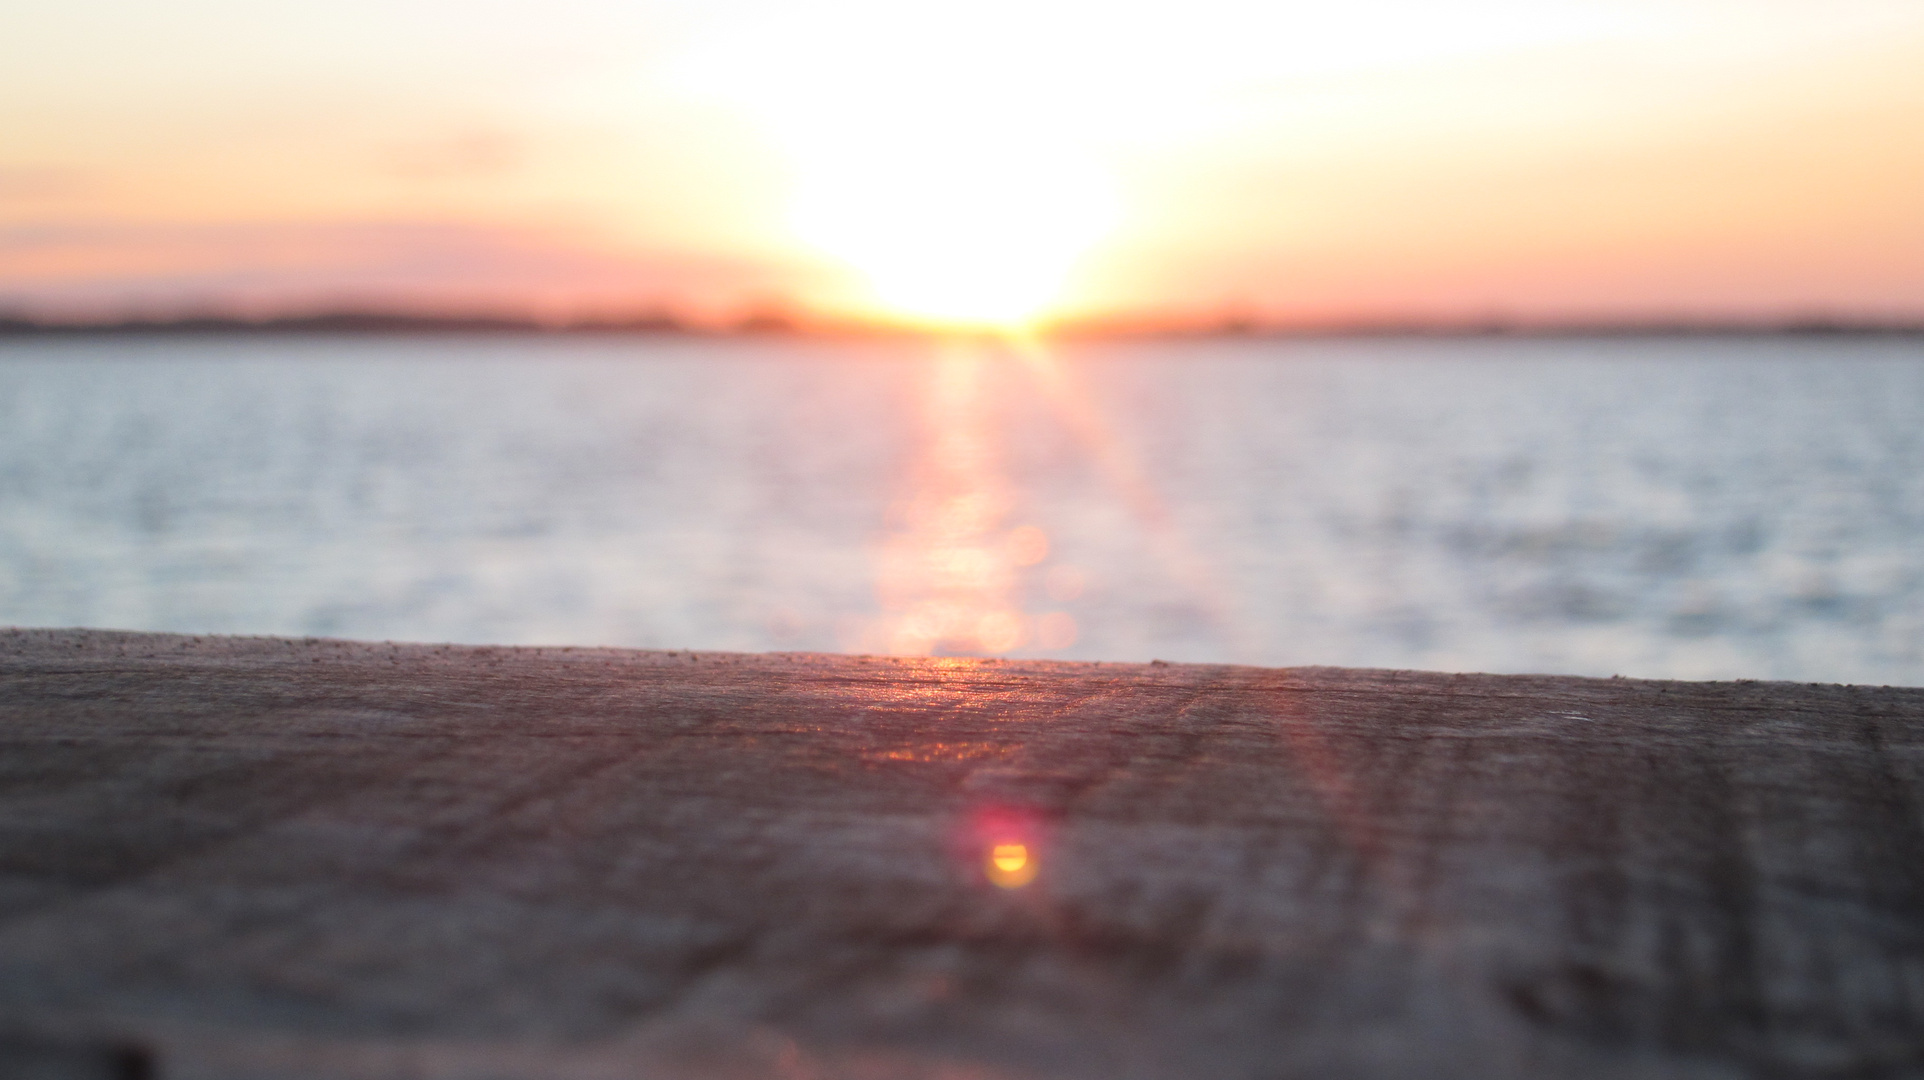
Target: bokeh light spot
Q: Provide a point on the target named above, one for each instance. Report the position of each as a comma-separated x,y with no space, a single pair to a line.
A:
1011,866
1028,546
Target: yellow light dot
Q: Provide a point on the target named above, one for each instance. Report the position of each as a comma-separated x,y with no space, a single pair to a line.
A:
1010,865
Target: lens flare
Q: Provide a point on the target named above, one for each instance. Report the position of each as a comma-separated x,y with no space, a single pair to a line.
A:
1129,479
1011,866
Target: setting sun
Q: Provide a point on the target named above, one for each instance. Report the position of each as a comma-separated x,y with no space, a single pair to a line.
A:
951,238
996,165
951,164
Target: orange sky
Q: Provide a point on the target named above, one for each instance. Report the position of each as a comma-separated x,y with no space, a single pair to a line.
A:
985,162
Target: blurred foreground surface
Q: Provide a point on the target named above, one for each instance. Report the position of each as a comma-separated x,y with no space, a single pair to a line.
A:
1683,508
231,859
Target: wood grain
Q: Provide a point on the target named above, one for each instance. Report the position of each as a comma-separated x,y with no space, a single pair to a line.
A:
235,858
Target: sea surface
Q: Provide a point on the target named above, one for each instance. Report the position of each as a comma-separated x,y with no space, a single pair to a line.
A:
1691,507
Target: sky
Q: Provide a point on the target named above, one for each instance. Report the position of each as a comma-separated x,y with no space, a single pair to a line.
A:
982,163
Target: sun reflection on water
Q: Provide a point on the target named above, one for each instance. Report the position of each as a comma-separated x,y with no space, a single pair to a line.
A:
948,578
950,575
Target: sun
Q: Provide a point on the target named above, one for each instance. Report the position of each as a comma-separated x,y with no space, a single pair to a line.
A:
956,235
991,163
937,153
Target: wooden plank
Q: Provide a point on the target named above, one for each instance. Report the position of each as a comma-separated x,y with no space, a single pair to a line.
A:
228,858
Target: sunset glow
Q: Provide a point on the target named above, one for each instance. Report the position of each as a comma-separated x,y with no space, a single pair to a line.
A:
942,156
952,242
990,165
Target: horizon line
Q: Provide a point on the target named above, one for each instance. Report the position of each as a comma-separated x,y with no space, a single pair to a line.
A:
351,321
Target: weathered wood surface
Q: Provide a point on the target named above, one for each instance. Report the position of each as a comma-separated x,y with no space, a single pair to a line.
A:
250,858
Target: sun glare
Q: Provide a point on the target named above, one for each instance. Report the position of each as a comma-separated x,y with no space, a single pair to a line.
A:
943,157
954,235
964,162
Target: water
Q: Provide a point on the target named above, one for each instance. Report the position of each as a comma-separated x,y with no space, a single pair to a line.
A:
1691,507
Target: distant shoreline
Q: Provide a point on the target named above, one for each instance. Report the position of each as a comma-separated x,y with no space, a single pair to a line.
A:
351,323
